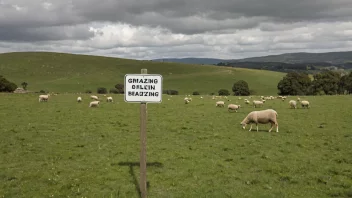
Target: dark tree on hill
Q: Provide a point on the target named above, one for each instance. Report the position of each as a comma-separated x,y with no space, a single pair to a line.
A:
295,83
326,83
224,92
240,88
7,86
120,88
24,85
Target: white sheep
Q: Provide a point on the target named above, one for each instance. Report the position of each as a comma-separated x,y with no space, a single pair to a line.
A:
94,97
261,117
220,104
298,99
305,103
293,104
79,99
44,98
234,107
94,104
109,99
257,103
186,101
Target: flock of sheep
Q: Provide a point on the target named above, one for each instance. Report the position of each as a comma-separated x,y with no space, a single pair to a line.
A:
254,117
95,103
258,117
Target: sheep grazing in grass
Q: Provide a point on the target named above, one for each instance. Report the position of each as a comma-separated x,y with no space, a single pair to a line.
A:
305,103
44,98
109,99
298,99
94,104
246,101
293,104
233,107
220,104
186,101
261,117
257,103
79,99
94,97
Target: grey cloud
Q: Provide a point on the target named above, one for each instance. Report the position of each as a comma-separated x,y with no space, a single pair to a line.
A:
18,34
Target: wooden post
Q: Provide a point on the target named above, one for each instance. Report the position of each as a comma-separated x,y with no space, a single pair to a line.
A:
143,156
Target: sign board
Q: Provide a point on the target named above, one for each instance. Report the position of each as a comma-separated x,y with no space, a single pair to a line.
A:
146,88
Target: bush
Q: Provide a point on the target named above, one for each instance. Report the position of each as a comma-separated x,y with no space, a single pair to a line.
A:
42,91
224,92
102,90
88,91
171,92
114,91
196,93
120,88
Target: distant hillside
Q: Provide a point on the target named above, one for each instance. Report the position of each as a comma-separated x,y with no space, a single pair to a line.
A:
200,61
59,72
302,57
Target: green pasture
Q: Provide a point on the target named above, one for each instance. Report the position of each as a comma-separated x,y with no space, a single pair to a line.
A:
61,148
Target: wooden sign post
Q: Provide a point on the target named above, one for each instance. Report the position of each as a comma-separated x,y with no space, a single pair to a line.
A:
143,88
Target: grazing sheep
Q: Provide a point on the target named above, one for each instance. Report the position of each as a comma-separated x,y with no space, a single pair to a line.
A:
94,97
246,101
186,101
257,103
44,98
293,104
261,117
233,107
79,99
305,103
94,104
298,99
109,99
220,104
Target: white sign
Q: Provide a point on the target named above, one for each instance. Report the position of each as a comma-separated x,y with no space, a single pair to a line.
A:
143,88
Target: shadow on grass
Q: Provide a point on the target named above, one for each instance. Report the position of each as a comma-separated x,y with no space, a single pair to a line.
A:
133,175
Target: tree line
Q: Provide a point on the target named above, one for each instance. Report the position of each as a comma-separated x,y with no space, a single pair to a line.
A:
323,83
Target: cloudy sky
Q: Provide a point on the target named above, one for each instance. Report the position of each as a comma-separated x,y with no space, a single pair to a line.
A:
148,29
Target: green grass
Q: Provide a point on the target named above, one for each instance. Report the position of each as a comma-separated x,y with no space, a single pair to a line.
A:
64,149
58,72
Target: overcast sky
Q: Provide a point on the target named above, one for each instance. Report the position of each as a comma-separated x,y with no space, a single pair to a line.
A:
148,29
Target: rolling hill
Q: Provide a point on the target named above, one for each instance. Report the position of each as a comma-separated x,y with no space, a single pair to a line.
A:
302,57
60,72
200,61
336,58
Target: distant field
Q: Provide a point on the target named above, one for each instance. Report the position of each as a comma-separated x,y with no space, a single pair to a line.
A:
57,72
64,149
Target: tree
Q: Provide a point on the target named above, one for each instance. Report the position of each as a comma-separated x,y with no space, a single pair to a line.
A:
195,93
24,85
240,88
120,88
345,84
295,83
7,86
223,92
326,82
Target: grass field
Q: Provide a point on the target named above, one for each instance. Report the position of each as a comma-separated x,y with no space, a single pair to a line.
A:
64,149
57,72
